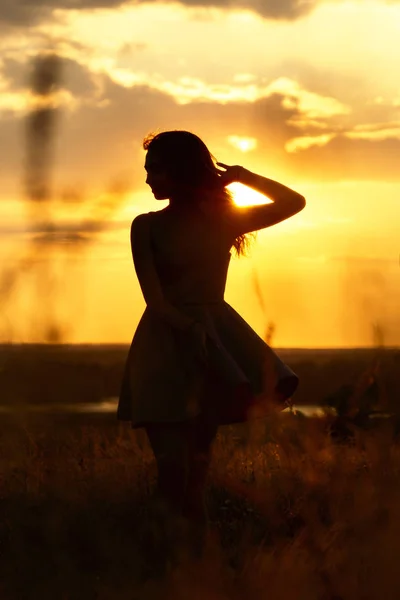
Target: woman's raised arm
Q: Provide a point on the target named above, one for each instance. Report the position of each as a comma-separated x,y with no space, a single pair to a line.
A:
285,201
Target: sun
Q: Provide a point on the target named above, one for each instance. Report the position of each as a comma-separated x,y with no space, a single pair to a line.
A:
244,144
244,196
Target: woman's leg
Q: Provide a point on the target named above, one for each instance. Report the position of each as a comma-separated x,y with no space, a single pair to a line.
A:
164,534
199,457
183,454
169,442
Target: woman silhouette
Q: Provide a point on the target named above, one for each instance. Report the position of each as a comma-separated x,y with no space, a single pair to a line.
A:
194,363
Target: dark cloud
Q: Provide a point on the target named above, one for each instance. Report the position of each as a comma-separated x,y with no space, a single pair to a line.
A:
75,77
28,12
21,13
272,9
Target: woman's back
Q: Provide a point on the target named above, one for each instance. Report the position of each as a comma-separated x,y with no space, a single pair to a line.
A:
191,253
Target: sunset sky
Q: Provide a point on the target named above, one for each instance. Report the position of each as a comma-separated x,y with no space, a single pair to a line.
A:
306,92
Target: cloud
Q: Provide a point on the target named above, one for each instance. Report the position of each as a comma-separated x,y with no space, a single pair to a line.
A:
307,105
62,228
109,138
304,142
22,13
100,139
77,86
19,13
271,9
16,100
76,78
349,159
375,131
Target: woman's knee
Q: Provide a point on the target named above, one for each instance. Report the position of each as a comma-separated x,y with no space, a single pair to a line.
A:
171,462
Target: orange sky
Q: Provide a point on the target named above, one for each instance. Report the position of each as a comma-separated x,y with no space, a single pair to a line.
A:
295,91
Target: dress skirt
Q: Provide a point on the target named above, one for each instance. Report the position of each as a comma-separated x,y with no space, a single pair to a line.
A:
166,381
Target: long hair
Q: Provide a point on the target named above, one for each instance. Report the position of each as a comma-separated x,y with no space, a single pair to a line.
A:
189,162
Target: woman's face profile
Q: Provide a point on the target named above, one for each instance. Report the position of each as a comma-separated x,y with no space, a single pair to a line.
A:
157,177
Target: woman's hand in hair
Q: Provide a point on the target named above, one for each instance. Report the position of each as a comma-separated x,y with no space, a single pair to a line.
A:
231,174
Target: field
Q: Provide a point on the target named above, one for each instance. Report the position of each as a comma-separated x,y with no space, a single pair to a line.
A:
67,374
295,512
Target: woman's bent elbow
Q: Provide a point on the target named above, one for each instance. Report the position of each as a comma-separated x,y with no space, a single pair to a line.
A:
299,203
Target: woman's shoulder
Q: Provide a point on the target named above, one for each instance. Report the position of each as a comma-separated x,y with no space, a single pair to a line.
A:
144,217
155,222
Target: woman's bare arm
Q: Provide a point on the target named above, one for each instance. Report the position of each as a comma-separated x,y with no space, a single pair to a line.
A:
285,201
148,278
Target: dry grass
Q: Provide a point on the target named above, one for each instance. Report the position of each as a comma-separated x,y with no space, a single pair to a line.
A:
293,514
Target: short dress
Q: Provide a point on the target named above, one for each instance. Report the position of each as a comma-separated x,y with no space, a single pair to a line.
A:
164,379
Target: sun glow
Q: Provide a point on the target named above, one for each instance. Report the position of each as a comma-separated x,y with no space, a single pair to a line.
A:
244,144
244,196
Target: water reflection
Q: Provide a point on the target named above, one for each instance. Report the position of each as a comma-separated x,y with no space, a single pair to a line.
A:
108,409
311,410
109,405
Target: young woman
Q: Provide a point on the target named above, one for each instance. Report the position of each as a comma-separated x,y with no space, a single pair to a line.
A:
194,363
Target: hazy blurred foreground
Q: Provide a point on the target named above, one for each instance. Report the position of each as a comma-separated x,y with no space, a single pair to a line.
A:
295,512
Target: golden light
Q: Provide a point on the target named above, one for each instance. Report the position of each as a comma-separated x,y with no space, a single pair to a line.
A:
244,144
244,196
